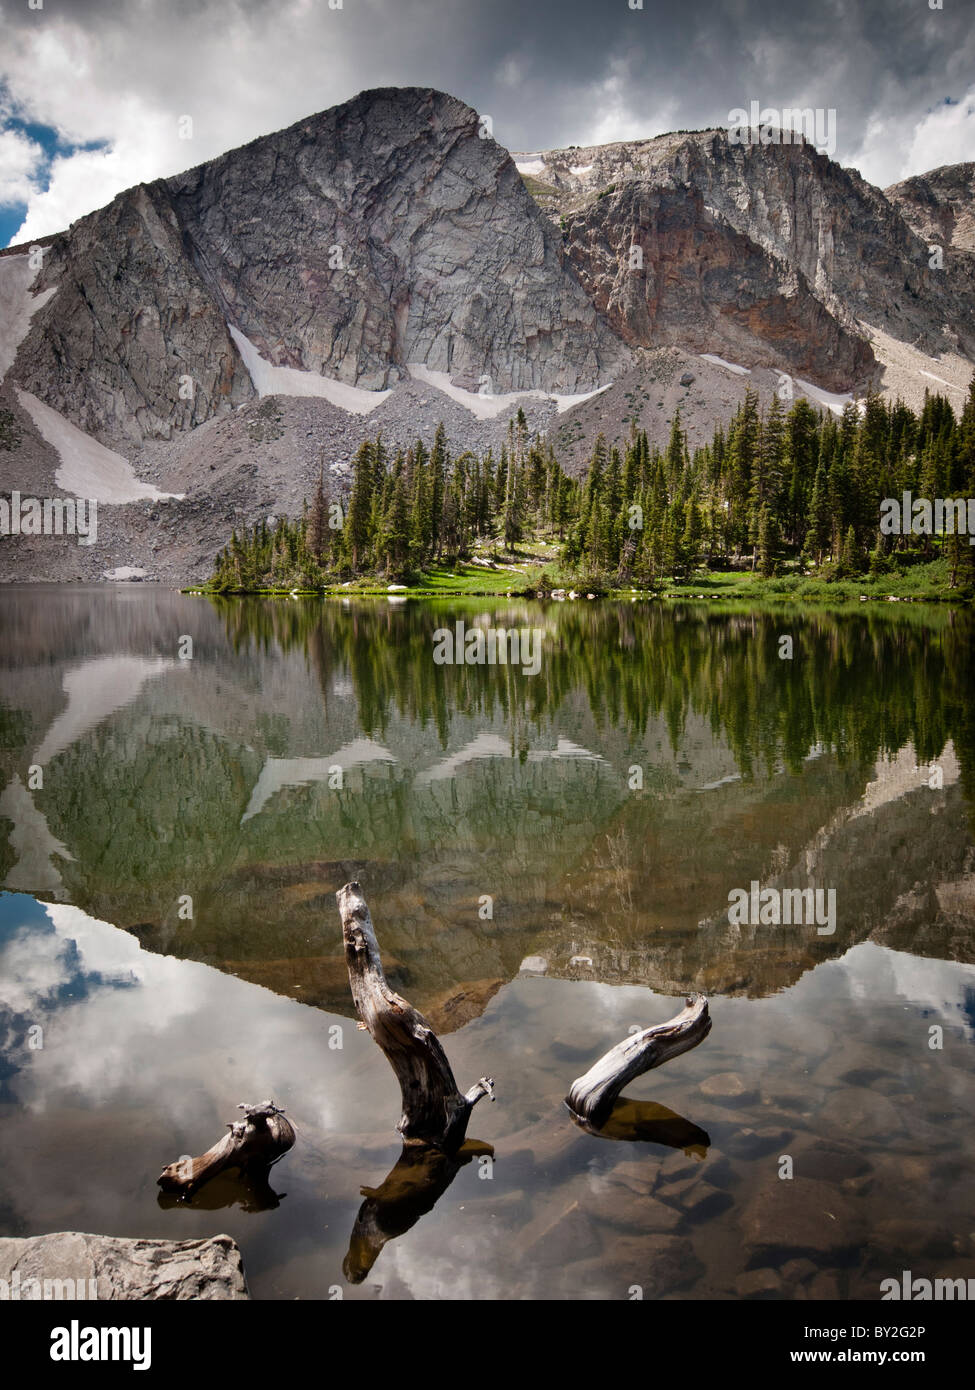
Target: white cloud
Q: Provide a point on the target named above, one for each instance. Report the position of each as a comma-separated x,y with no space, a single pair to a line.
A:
20,160
611,115
88,179
512,72
945,136
894,146
128,84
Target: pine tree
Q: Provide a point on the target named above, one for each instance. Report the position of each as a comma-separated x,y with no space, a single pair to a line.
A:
318,534
820,521
396,527
767,542
439,465
358,521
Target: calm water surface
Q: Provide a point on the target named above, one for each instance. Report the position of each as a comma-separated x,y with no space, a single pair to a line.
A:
548,859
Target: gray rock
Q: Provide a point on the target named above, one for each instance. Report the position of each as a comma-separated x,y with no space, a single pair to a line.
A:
660,1266
616,1205
799,1217
757,1143
855,1110
831,1162
907,1236
759,1284
824,1286
559,1235
381,232
110,1267
727,1088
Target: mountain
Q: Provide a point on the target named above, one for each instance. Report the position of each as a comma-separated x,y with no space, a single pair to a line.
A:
940,206
187,353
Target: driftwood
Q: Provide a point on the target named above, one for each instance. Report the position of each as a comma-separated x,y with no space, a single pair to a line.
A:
434,1111
592,1096
419,1179
252,1145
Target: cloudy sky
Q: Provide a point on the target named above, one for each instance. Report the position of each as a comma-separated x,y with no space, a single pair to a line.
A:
93,92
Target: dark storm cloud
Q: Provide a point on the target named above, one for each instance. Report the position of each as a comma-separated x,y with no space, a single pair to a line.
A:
549,73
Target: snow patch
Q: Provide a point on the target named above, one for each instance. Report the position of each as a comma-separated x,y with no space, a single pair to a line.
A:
579,169
87,468
293,381
721,362
488,745
531,165
95,691
17,306
32,842
942,382
124,572
486,407
831,399
278,773
564,403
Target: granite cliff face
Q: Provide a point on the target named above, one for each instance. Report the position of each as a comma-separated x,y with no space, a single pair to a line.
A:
441,256
771,250
380,233
940,205
129,318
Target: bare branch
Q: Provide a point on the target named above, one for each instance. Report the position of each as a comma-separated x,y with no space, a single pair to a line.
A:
591,1096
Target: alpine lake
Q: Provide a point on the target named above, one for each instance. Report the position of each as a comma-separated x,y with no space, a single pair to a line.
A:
553,858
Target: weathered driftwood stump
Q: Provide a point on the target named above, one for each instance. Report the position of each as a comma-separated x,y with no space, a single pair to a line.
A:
252,1145
434,1111
592,1096
410,1189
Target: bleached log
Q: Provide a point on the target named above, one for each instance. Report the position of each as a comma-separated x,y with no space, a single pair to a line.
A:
434,1111
251,1144
591,1096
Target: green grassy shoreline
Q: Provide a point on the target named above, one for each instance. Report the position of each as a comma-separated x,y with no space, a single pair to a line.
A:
927,583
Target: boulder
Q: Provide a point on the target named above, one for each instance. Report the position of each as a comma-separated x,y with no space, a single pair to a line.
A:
71,1264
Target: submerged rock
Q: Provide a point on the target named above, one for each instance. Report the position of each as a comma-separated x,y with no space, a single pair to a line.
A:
802,1217
728,1088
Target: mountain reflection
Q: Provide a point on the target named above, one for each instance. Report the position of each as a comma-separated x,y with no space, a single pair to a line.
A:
599,811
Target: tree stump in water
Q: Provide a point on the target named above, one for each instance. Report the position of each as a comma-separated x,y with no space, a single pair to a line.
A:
252,1145
434,1111
591,1097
